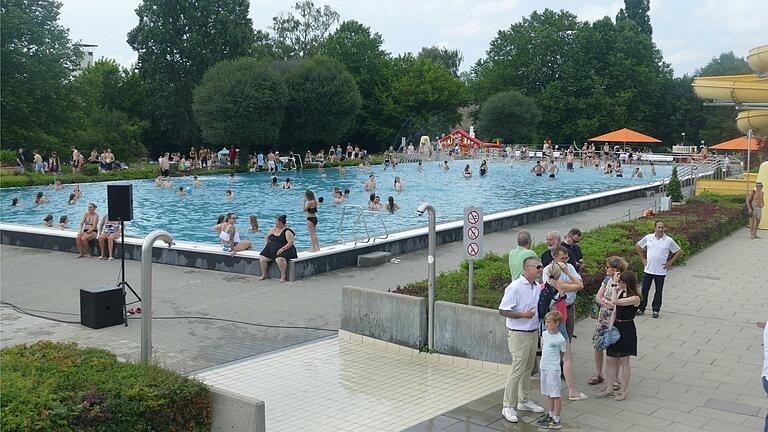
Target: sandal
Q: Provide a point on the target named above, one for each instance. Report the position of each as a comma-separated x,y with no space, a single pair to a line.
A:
616,385
581,396
620,396
597,379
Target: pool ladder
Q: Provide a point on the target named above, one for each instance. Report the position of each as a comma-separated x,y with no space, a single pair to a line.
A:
363,216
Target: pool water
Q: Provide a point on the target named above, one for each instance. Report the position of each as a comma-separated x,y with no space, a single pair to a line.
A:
192,218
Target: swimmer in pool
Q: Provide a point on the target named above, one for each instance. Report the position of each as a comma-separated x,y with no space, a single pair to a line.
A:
274,181
371,200
419,167
483,168
72,199
445,166
254,223
638,173
196,183
609,170
182,192
398,185
370,184
342,170
390,205
619,170
63,222
310,209
346,193
229,195
553,169
41,199
232,178
467,173
48,221
159,181
338,198
287,183
16,202
538,169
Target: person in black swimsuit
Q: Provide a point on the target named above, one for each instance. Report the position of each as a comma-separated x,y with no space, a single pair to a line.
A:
310,208
279,248
625,299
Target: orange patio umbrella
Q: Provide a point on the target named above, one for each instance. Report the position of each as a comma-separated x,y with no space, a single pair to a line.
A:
625,136
737,144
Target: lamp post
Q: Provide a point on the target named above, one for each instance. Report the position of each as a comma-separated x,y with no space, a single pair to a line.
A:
431,243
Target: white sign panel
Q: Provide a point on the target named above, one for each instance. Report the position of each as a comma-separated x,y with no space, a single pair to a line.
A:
473,233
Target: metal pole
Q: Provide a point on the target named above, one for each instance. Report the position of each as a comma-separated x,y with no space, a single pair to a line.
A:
431,243
146,290
471,282
749,151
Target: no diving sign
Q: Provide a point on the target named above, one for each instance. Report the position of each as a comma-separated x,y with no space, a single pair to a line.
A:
473,233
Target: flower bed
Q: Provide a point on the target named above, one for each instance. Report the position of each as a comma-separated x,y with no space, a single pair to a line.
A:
697,224
60,387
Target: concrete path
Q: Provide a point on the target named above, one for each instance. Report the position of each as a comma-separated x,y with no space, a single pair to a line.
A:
50,281
698,366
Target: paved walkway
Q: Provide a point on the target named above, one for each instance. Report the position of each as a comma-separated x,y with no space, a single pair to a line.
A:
50,281
698,366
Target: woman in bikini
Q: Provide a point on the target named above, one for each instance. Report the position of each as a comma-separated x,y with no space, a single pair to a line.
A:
483,168
110,231
467,173
310,209
88,231
398,185
279,248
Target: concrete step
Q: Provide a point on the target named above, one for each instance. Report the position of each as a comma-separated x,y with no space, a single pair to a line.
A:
373,259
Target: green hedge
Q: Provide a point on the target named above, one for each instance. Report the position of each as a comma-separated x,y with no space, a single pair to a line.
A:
697,224
8,157
52,386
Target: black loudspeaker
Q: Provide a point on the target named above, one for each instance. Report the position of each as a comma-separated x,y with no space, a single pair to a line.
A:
120,202
101,307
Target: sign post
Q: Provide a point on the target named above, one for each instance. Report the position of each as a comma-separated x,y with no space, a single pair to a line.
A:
473,243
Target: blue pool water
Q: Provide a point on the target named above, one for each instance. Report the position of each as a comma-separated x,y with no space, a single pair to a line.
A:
192,218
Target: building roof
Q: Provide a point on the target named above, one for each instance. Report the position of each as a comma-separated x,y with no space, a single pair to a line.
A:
739,143
445,139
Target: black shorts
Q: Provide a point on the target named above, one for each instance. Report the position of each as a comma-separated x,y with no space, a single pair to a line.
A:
312,219
569,165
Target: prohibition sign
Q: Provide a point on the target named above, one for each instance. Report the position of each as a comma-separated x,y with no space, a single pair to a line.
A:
473,249
473,233
473,217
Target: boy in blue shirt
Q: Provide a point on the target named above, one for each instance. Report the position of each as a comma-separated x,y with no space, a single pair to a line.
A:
552,349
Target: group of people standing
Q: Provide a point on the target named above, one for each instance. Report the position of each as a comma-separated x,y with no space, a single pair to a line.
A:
539,305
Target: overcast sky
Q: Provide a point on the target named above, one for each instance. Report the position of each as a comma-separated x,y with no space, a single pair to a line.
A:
689,32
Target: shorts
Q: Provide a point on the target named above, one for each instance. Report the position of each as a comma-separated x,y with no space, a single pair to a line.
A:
550,383
538,174
226,247
165,173
569,165
757,212
39,166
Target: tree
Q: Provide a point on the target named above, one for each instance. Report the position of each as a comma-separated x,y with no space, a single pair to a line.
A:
510,116
111,111
177,42
299,36
451,59
322,100
637,11
37,60
242,103
359,50
725,64
674,189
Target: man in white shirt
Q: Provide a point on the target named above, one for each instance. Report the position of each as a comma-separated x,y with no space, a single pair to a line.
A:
519,307
658,247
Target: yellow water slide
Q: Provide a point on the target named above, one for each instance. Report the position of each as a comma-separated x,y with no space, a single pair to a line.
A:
742,89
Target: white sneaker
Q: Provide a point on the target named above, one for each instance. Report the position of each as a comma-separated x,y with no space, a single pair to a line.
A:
510,414
529,405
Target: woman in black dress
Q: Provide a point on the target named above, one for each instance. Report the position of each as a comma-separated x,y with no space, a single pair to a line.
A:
625,299
279,248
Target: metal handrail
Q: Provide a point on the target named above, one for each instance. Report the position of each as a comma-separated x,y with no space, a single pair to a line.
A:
362,216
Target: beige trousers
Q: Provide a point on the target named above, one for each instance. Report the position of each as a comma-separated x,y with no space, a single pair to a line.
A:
523,347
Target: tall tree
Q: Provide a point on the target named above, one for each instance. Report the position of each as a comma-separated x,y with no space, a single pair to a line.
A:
242,103
360,51
725,64
509,116
37,60
449,58
299,36
177,42
322,100
637,11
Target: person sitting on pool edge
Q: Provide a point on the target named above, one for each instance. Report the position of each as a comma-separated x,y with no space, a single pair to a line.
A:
230,238
279,248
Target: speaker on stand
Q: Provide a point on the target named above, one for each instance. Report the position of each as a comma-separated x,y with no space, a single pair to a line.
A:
120,208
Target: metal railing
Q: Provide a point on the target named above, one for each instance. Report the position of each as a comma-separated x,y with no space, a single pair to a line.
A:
363,215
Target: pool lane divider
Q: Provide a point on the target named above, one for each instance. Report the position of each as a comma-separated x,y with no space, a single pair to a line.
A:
331,257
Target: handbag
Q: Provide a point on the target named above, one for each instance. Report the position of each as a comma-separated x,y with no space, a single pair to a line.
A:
607,338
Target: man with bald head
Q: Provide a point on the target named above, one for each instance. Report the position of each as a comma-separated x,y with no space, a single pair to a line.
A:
520,253
554,241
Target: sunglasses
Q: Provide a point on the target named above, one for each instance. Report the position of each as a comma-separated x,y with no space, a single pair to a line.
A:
538,267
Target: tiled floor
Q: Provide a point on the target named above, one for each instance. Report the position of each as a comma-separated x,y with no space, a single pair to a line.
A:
343,385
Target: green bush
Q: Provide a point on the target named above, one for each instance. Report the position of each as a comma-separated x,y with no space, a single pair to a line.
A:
7,180
90,170
674,190
8,157
702,221
52,386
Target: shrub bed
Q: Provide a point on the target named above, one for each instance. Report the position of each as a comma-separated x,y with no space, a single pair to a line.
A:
697,224
52,386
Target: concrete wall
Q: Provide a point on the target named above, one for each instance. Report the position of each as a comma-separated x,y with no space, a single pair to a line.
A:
385,316
233,412
471,332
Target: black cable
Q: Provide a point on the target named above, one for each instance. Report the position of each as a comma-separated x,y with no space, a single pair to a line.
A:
26,312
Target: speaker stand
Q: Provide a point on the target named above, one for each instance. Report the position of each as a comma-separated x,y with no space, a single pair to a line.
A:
123,284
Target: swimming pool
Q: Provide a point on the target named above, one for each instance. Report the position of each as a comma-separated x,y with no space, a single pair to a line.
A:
191,218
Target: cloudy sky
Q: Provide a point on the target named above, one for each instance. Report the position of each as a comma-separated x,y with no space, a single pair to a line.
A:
689,32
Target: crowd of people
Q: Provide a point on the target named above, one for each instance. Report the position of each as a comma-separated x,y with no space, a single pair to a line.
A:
53,164
539,308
